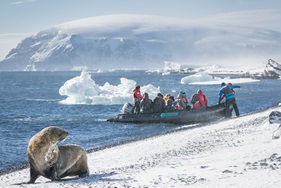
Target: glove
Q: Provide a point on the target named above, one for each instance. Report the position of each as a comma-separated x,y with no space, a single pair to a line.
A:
238,86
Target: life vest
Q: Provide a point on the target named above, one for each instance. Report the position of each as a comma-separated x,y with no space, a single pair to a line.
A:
228,93
194,98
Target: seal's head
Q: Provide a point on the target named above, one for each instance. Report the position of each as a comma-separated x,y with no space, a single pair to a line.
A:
46,137
58,133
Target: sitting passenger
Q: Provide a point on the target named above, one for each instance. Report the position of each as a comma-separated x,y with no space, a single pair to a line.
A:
158,103
185,100
201,100
180,104
170,104
146,104
166,98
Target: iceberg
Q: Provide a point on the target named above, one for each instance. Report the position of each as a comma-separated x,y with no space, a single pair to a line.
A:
203,78
84,90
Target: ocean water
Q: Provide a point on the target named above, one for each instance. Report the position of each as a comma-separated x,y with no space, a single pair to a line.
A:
30,101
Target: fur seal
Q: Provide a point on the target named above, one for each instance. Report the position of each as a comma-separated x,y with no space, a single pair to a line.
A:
54,162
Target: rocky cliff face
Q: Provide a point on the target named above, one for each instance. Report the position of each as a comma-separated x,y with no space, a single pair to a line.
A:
64,52
56,51
273,69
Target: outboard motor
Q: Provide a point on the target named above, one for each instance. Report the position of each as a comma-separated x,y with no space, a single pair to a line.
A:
127,108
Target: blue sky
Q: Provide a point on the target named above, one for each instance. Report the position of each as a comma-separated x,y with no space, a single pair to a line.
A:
21,18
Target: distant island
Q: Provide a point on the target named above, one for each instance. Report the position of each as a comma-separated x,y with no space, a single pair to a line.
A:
271,70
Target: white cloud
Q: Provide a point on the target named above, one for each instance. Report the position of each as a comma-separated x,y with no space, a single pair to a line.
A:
21,2
269,19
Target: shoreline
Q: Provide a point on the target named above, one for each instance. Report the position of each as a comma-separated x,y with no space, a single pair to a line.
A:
91,150
238,152
99,148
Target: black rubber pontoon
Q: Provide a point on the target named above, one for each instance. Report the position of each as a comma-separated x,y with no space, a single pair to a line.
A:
211,113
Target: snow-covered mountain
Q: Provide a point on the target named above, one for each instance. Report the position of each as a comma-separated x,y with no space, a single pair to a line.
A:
140,42
273,69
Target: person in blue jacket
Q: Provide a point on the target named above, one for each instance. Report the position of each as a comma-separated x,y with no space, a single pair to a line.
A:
226,90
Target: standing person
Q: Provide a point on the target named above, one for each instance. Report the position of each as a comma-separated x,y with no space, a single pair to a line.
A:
137,97
201,100
158,103
146,104
230,98
235,105
233,91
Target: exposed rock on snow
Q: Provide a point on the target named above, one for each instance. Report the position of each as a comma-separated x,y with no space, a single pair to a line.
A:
275,117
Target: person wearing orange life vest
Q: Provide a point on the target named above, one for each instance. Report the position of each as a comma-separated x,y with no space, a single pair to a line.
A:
137,97
201,100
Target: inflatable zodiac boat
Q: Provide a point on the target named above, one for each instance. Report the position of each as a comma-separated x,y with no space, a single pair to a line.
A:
211,113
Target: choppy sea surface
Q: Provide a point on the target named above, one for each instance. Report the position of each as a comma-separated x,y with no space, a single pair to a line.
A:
30,101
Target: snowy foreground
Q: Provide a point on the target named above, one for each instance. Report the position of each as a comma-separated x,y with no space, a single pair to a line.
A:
235,153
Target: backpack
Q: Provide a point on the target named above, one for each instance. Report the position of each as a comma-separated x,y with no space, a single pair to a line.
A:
194,98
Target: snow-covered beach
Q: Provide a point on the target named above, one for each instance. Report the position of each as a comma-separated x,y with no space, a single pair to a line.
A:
239,152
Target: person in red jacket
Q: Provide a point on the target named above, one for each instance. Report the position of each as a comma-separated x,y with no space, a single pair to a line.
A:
201,100
137,97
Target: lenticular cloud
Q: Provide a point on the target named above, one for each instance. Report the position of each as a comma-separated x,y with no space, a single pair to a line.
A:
84,90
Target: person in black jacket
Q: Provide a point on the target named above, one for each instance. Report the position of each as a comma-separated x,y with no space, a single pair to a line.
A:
146,104
158,103
170,104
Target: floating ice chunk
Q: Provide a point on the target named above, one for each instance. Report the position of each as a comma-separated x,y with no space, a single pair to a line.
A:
84,90
203,78
198,77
